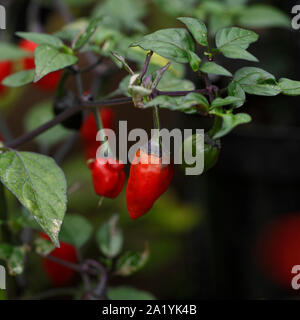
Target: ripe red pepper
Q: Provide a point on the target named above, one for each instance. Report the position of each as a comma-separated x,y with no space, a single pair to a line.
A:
88,131
278,249
6,68
51,80
108,177
148,180
59,274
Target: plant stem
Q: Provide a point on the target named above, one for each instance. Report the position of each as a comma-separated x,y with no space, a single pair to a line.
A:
146,66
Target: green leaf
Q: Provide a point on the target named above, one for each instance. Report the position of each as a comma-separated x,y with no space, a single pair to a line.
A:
191,103
228,123
233,42
14,257
131,262
40,114
39,184
194,60
43,247
197,28
19,79
75,230
110,238
235,90
219,102
49,59
235,37
173,44
128,293
261,16
218,21
289,87
41,39
213,68
11,52
234,52
87,33
257,81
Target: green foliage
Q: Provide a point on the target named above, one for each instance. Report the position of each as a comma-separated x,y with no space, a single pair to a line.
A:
10,51
43,247
40,186
131,262
19,79
41,39
257,81
87,34
75,230
172,44
14,257
191,103
128,293
110,238
198,30
213,68
40,114
49,59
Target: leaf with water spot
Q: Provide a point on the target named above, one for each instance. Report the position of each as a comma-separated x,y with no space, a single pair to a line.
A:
39,184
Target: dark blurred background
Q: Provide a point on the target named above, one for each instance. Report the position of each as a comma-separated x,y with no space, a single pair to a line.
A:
204,232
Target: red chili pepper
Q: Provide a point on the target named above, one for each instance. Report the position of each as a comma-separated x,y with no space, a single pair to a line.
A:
88,131
148,180
108,177
6,68
59,274
51,80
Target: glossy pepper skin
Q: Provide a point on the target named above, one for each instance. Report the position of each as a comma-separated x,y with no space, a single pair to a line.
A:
6,68
88,131
51,80
147,182
58,274
108,177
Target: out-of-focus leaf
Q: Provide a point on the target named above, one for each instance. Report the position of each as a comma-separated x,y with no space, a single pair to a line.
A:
289,87
128,293
43,247
110,238
41,39
75,230
87,33
39,115
14,257
19,79
261,16
10,52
